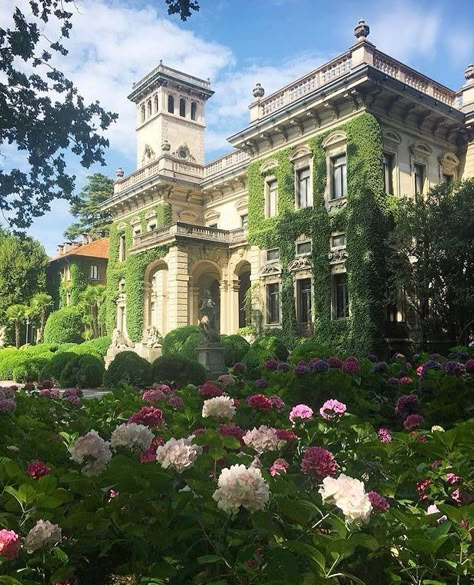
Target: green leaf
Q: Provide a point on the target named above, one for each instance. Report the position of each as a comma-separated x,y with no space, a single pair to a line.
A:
308,551
366,540
209,559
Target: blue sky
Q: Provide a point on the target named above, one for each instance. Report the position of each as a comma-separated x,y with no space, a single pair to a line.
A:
238,43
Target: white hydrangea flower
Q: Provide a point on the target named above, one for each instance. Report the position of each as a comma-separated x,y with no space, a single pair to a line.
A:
241,486
178,453
92,452
132,436
348,494
262,439
220,407
41,535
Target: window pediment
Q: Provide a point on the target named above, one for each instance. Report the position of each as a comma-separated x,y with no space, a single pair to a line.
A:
300,152
449,161
268,166
187,216
421,150
392,136
241,204
335,139
212,215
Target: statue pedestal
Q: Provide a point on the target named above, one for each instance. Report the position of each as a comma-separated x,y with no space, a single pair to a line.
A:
211,356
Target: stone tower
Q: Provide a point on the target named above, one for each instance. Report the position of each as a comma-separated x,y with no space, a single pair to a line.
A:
170,115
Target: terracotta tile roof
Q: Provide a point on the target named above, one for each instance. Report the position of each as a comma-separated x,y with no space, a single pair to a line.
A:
96,249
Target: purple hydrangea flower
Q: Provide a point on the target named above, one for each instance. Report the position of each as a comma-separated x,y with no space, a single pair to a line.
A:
380,368
261,383
320,366
271,364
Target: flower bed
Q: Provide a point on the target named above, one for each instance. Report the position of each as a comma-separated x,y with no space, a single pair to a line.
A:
327,471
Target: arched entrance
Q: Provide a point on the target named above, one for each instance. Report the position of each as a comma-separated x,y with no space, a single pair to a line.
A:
205,276
156,298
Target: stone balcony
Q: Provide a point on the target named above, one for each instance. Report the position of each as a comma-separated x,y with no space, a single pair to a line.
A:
198,233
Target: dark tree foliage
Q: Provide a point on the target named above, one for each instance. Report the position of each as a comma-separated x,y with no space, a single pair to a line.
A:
42,114
86,208
182,7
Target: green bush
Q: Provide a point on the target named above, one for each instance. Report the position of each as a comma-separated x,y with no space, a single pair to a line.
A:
128,368
97,346
30,370
10,358
33,350
183,341
310,348
53,369
178,369
64,326
262,349
84,371
235,348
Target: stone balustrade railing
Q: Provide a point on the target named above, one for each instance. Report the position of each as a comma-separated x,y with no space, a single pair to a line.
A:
197,232
225,162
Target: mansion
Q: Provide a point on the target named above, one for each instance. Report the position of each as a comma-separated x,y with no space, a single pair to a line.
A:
286,231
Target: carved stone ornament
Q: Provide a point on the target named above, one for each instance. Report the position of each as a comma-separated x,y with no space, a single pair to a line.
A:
302,263
119,173
148,154
337,256
183,153
337,204
153,337
270,269
469,73
258,91
165,146
362,30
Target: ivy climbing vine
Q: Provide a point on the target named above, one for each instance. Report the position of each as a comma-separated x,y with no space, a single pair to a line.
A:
363,220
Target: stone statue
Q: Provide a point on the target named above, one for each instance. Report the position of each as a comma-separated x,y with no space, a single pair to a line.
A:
119,341
207,318
153,337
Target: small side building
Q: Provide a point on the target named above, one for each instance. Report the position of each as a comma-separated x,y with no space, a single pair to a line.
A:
76,266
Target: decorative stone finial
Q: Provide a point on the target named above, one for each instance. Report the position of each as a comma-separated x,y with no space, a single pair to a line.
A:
165,146
469,73
119,173
258,91
362,30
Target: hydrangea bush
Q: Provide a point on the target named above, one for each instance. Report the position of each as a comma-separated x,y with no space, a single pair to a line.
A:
335,471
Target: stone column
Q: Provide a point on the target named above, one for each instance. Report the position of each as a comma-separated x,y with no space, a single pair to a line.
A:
177,288
224,308
234,306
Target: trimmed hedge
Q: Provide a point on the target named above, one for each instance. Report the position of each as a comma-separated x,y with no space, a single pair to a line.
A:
84,371
183,341
53,369
10,358
178,369
97,346
64,326
128,368
30,369
235,348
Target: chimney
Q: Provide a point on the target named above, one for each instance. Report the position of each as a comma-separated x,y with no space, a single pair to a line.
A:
60,249
86,239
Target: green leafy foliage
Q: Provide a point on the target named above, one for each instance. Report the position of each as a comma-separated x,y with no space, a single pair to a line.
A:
84,371
64,326
100,345
235,348
178,369
183,341
53,369
127,367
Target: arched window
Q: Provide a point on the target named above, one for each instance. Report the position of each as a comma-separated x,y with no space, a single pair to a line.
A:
155,102
150,111
182,107
194,108
171,104
142,112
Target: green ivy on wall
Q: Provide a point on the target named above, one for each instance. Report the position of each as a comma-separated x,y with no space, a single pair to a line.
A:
79,279
363,220
132,270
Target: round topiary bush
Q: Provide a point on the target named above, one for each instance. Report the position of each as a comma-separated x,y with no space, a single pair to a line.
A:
235,348
128,368
97,346
310,348
183,341
30,370
64,326
53,369
178,369
84,371
40,348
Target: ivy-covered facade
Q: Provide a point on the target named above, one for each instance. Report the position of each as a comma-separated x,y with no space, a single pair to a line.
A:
289,232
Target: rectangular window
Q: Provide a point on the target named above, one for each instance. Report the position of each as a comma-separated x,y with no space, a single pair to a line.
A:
303,248
244,221
151,227
338,241
303,308
94,272
273,303
303,190
341,296
272,198
339,177
448,179
273,255
122,248
137,231
419,172
388,172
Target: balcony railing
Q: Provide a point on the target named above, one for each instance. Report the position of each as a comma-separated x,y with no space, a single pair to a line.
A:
187,230
225,162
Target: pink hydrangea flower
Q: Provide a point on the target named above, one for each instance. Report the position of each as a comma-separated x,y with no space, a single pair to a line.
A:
277,403
226,380
38,469
286,434
301,411
176,402
405,380
75,400
153,395
232,431
148,416
318,462
384,435
149,455
259,402
279,466
211,390
332,409
351,366
378,502
413,420
10,544
7,405
421,488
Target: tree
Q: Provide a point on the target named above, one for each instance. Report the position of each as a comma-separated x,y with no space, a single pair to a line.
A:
39,305
91,299
433,258
182,7
23,263
17,314
85,208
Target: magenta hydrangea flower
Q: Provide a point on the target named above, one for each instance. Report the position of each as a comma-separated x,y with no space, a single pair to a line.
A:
7,405
469,365
421,488
384,435
413,420
176,402
334,362
232,431
38,469
286,434
301,411
148,416
405,380
271,364
407,404
351,367
149,455
210,390
153,395
279,466
378,502
318,462
332,409
277,403
259,402
10,544
239,367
